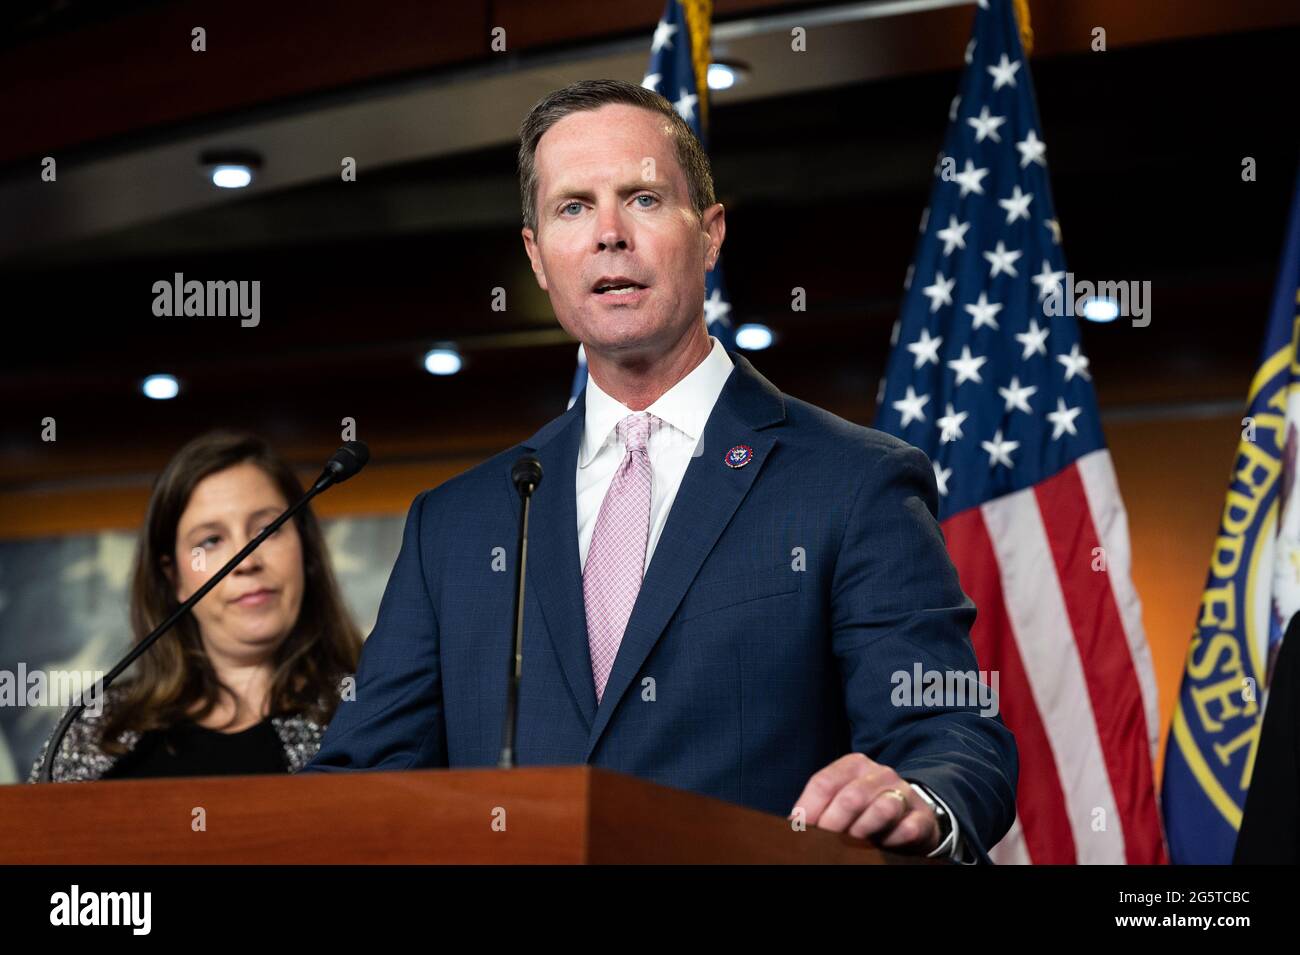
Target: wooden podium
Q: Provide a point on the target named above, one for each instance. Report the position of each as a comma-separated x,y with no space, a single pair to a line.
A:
565,815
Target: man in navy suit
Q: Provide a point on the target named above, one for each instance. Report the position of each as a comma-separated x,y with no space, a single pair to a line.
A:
726,586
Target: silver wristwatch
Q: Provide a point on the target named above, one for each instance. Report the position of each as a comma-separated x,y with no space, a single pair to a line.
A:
945,820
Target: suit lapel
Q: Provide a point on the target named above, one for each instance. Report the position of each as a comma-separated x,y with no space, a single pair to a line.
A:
706,501
554,575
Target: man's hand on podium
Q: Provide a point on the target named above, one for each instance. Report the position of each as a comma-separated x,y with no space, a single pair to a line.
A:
867,799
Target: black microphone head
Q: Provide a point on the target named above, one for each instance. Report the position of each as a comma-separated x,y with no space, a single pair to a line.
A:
347,461
527,474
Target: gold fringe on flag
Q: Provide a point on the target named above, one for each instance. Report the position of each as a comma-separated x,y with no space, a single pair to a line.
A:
1026,31
699,20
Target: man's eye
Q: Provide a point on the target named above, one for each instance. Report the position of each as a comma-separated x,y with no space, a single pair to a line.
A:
646,195
570,206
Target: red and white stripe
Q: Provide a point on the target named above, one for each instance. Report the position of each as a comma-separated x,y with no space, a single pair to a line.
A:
1077,686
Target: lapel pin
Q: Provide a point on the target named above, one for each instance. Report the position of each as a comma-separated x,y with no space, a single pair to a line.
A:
739,456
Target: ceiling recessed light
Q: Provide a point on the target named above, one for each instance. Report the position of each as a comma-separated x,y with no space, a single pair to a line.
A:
161,387
232,176
442,361
724,74
231,168
753,337
1100,310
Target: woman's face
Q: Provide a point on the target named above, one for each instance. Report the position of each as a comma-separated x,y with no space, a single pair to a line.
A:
254,608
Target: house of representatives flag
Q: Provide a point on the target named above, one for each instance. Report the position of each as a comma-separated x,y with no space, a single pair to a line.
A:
999,394
679,63
1251,593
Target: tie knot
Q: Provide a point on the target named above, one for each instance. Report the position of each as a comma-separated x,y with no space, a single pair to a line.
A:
636,429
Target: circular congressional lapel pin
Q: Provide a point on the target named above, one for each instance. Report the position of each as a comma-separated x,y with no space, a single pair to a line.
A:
739,456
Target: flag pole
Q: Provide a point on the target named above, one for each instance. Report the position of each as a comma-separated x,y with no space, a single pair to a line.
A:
1026,30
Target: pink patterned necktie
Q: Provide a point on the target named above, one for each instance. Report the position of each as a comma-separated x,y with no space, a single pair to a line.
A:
615,565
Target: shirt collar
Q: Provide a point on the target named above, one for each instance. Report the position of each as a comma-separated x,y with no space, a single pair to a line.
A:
685,406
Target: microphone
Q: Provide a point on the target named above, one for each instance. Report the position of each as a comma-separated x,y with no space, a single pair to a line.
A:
346,462
526,475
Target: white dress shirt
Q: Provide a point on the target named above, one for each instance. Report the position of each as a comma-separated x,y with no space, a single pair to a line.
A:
683,411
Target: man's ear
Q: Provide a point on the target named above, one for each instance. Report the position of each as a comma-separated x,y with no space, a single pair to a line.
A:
534,257
715,231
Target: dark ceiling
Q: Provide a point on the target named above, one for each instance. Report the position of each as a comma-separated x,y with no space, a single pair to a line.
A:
22,21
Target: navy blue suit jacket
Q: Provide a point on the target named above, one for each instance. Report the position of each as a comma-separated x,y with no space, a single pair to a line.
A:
780,599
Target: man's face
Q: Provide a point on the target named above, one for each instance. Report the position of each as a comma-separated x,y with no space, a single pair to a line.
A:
612,202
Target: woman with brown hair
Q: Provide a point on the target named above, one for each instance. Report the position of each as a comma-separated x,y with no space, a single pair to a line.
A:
248,680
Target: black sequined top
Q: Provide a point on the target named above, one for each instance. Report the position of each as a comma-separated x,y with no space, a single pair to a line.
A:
80,758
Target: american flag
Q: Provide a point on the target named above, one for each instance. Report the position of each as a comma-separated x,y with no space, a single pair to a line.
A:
679,61
999,394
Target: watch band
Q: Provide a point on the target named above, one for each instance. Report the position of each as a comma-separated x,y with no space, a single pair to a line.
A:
942,817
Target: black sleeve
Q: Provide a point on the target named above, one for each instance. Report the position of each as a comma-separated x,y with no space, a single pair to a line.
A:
1268,824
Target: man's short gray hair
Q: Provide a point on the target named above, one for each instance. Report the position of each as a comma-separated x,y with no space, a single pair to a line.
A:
593,94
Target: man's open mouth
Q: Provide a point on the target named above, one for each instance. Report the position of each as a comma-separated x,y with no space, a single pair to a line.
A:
616,286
